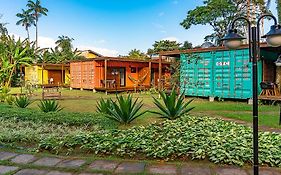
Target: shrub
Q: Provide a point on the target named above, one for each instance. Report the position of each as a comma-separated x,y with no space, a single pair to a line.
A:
174,106
125,110
4,93
10,99
103,106
22,101
49,106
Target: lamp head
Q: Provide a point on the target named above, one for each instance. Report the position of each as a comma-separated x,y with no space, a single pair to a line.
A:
273,37
232,39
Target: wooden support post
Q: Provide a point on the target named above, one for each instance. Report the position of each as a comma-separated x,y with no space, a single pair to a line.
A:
160,73
149,73
42,66
105,75
62,82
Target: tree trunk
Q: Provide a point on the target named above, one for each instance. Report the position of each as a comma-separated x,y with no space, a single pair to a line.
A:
27,31
279,10
10,77
36,40
278,69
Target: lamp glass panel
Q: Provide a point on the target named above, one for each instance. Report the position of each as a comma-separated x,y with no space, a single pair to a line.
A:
274,40
232,44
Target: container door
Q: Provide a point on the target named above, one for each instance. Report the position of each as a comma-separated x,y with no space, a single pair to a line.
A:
196,74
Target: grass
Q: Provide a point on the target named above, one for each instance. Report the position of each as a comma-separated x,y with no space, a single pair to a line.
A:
85,102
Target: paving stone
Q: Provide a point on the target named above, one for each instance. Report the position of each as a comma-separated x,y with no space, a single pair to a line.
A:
58,173
47,161
7,169
230,171
266,171
190,170
71,163
106,165
130,167
30,172
6,155
23,158
162,169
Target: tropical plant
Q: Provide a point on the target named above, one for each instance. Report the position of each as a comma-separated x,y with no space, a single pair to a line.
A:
174,106
125,109
26,20
49,106
137,54
22,101
64,43
104,106
3,29
164,45
37,11
4,93
10,99
13,54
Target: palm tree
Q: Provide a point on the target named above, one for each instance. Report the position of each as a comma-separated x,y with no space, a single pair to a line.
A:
26,20
64,43
37,11
3,29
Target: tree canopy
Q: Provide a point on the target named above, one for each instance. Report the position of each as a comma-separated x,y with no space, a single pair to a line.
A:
218,14
137,54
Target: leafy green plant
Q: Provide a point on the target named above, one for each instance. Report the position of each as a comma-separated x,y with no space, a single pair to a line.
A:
22,101
49,106
4,93
103,106
10,99
125,110
174,106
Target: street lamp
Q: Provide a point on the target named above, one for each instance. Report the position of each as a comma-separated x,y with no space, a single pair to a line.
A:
233,40
115,73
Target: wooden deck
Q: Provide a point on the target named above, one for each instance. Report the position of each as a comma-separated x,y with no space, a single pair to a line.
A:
122,89
270,98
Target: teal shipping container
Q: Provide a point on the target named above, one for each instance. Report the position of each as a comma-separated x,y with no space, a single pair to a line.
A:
218,73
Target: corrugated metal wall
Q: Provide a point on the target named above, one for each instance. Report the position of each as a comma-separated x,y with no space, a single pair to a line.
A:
223,74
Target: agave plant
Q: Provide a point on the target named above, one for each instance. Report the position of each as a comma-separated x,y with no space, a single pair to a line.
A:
22,101
103,106
10,99
125,110
173,107
49,106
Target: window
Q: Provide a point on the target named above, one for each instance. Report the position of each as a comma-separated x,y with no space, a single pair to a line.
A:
133,70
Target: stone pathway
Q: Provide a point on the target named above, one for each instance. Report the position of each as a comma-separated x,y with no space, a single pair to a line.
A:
28,164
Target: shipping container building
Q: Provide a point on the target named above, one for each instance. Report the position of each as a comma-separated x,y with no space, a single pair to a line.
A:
217,72
118,74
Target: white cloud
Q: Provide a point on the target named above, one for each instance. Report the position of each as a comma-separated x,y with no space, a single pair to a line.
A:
161,14
46,42
171,38
103,51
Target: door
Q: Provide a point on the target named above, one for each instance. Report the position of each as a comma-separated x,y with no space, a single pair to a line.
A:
56,76
122,77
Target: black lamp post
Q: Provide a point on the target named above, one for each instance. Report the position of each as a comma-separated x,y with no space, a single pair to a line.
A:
233,40
115,73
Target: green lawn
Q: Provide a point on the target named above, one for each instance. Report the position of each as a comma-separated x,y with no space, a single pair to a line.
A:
85,101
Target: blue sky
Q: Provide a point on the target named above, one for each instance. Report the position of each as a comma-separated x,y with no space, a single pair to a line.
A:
111,27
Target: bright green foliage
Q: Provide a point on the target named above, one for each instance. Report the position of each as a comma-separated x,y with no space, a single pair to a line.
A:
218,14
164,45
4,93
137,54
22,101
103,106
191,137
173,107
49,106
125,110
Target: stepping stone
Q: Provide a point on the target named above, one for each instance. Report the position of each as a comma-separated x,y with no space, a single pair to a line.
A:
23,158
7,169
162,169
105,165
230,171
31,172
58,173
47,161
71,163
130,167
190,170
6,155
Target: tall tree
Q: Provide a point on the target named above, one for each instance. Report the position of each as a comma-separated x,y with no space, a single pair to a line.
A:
218,14
137,54
3,29
64,43
26,20
37,11
164,45
186,45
